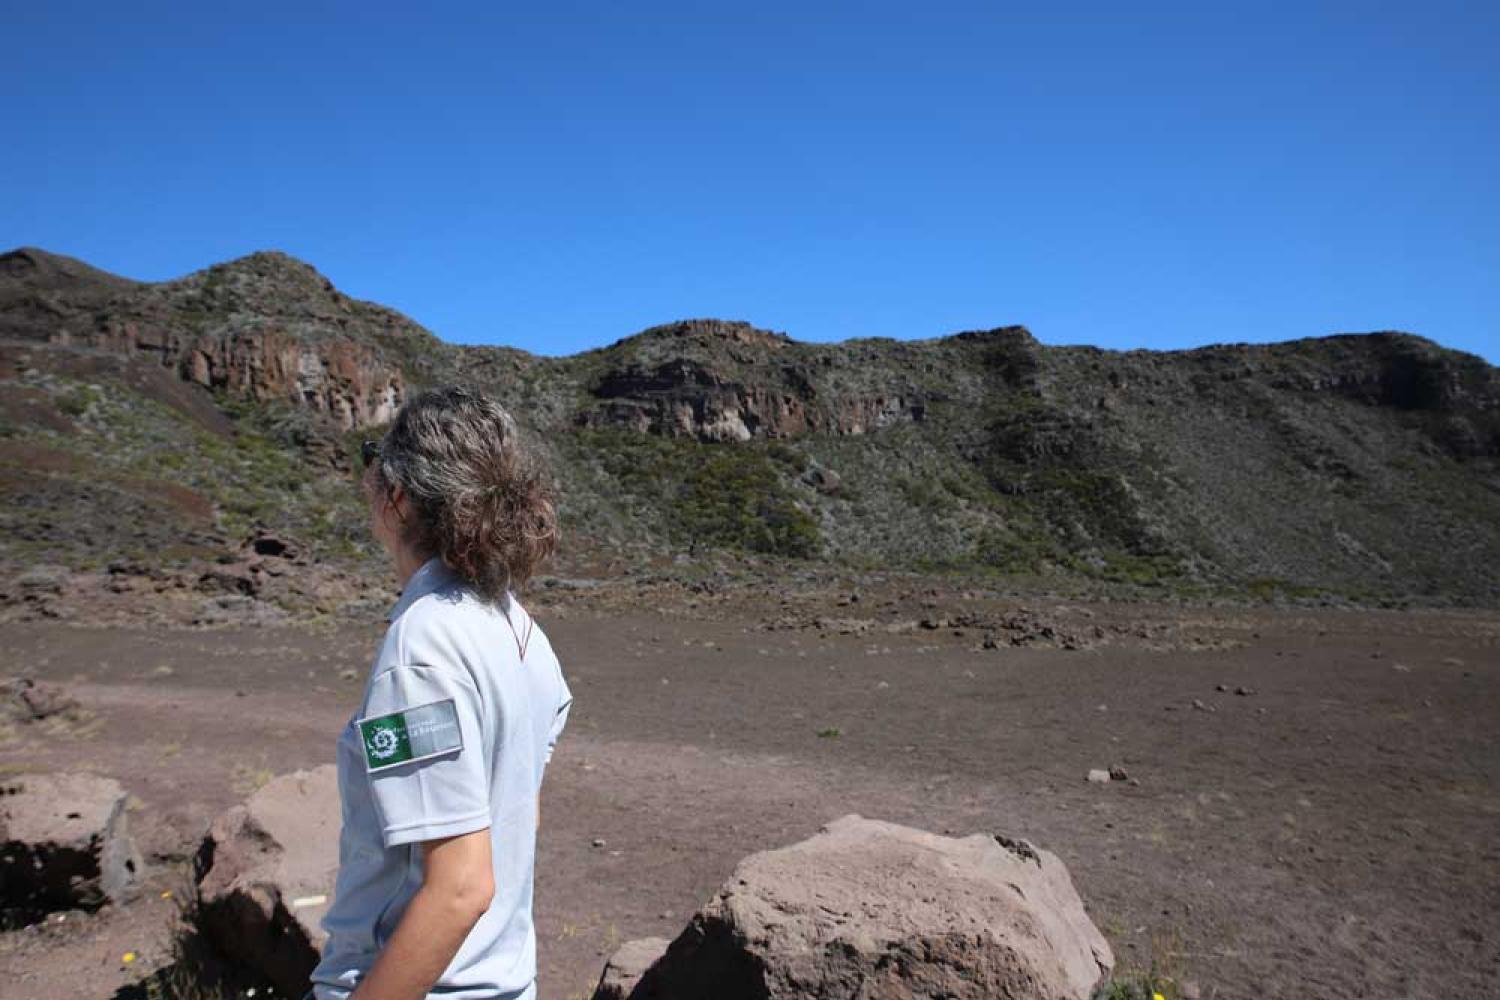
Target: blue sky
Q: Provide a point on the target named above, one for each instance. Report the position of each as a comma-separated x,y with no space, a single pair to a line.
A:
555,176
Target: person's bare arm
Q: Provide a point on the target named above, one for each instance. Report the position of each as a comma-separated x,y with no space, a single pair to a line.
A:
458,883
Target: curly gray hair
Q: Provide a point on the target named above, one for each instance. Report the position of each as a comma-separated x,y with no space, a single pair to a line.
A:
483,501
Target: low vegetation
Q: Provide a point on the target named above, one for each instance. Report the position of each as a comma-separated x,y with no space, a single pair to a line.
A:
731,496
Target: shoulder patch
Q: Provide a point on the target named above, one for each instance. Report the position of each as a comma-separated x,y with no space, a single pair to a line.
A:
410,734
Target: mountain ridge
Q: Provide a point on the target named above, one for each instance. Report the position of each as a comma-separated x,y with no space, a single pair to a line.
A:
1350,461
271,260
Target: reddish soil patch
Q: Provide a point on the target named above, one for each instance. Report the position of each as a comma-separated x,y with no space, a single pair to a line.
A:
185,500
1329,834
35,458
23,406
154,381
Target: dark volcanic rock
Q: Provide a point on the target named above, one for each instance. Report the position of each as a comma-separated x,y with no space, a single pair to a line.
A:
752,390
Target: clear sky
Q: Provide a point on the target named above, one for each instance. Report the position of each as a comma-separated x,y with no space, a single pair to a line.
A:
555,175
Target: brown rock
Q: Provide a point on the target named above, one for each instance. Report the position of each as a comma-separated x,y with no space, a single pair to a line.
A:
29,700
229,580
874,910
266,872
625,967
64,844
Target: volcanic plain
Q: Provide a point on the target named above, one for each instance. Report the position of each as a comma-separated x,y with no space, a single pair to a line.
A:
1309,808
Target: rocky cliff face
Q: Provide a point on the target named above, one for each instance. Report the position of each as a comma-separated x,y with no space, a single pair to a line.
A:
265,328
341,379
748,392
1457,395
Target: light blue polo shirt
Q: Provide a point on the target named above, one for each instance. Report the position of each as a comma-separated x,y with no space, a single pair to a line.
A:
460,713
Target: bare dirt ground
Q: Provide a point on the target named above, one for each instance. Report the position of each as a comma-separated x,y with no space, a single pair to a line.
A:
1329,833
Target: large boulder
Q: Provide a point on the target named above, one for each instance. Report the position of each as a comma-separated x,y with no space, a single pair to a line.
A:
265,874
873,910
64,844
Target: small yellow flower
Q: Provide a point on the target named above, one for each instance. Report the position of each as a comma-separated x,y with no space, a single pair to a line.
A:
166,894
1157,996
128,957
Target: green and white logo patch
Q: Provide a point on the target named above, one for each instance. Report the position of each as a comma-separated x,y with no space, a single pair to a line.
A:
410,734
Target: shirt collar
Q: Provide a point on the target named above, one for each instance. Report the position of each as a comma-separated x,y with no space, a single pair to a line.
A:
431,575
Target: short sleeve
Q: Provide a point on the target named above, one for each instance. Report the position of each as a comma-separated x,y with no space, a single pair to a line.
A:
423,740
559,720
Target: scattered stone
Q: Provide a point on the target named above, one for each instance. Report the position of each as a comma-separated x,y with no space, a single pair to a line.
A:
600,842
237,609
43,578
232,580
563,583
823,479
259,858
1243,691
29,700
64,844
1099,776
1117,773
844,626
866,908
1202,706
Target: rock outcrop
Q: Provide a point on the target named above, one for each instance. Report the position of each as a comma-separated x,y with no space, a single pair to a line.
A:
25,699
266,328
718,381
869,909
725,411
64,844
345,381
266,873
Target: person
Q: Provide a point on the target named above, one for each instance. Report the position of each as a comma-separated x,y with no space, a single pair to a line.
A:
440,768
